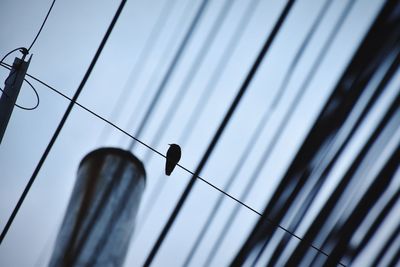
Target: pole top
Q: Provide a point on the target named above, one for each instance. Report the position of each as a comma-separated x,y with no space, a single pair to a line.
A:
124,154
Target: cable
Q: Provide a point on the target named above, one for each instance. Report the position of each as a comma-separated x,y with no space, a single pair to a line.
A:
139,64
180,95
254,138
191,74
36,94
24,51
41,27
219,132
159,153
170,70
62,122
169,48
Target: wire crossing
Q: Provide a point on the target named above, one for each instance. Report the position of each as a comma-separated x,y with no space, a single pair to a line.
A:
62,122
162,155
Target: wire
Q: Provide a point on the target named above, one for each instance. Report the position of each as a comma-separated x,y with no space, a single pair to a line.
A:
41,27
36,94
184,88
191,74
171,69
138,68
169,48
257,133
63,120
162,155
220,130
24,51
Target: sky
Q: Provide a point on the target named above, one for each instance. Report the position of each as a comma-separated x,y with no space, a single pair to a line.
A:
61,56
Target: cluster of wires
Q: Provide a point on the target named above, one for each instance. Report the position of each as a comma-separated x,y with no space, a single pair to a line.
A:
182,91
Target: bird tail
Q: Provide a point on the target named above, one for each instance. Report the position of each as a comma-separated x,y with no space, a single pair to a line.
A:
169,167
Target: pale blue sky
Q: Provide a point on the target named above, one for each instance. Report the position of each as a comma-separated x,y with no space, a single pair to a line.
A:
60,58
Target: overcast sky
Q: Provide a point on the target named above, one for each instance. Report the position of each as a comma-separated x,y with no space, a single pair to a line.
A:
61,57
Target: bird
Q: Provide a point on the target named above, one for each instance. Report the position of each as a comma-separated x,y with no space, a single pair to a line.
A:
173,157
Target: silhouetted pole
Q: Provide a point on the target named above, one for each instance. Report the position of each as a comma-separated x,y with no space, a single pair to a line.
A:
100,217
12,87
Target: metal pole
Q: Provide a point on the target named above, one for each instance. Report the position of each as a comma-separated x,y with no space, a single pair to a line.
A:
100,217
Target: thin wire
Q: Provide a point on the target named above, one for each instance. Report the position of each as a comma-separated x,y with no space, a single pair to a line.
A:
62,122
41,27
178,99
169,48
293,105
24,51
191,74
36,94
170,70
74,102
138,68
243,88
255,136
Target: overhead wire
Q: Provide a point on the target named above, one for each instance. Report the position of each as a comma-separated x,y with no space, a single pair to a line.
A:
281,127
316,177
220,130
41,27
181,94
191,74
254,138
174,40
206,94
62,122
296,202
138,68
170,71
151,148
160,153
24,51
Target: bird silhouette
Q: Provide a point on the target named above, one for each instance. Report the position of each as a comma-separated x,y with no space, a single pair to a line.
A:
173,157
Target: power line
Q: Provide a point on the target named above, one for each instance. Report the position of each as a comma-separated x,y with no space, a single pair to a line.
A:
193,70
252,141
159,153
36,95
219,132
138,68
62,122
24,51
171,69
41,27
154,77
180,95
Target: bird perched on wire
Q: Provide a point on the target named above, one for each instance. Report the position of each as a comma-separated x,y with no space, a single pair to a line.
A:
173,157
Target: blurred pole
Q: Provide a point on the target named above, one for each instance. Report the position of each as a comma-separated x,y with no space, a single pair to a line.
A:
9,96
100,217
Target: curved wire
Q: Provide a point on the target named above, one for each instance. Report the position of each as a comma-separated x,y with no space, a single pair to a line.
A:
24,51
157,152
62,122
41,27
36,94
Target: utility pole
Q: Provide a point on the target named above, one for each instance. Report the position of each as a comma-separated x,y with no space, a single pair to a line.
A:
100,217
11,90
